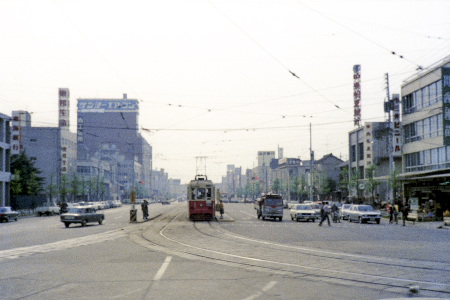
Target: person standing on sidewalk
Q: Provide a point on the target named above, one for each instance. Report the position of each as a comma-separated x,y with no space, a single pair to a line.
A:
405,212
325,214
221,209
144,207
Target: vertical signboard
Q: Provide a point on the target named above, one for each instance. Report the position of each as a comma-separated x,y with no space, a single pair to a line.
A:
357,95
368,140
64,108
446,104
397,131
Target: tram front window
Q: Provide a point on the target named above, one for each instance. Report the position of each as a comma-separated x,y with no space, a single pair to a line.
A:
208,193
200,193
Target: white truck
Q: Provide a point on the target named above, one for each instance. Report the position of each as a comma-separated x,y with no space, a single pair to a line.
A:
48,209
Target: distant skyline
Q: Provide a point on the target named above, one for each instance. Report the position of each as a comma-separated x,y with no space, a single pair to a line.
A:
220,79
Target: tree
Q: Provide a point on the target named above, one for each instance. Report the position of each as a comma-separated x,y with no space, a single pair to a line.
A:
394,183
327,186
16,184
64,187
52,188
29,181
276,185
372,183
75,186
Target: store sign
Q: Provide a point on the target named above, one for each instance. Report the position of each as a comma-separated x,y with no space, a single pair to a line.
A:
446,104
64,107
397,130
102,106
357,95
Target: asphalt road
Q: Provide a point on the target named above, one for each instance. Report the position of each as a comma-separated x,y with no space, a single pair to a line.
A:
169,257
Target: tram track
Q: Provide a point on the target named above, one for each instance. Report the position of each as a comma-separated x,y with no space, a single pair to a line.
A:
176,235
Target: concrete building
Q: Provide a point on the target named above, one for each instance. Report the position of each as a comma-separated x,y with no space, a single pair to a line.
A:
426,139
115,122
5,153
369,146
263,170
53,149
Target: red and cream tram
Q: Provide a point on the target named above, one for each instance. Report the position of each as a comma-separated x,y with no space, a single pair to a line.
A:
201,195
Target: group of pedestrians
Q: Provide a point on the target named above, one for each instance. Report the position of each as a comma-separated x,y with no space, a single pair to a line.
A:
325,211
393,213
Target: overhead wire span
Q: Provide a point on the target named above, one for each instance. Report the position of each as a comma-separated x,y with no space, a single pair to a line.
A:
393,52
270,54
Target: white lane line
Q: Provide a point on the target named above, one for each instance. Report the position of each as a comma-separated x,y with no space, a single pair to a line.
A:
163,268
265,289
61,245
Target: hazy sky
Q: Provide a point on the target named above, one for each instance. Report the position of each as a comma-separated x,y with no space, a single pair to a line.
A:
214,77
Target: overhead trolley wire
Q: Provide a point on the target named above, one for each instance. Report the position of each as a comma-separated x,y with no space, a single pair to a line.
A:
393,52
271,55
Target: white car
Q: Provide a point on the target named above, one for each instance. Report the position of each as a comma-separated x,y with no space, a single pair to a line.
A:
316,208
363,214
302,212
345,209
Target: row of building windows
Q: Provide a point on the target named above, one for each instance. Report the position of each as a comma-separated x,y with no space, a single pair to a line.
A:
359,153
422,98
433,159
423,129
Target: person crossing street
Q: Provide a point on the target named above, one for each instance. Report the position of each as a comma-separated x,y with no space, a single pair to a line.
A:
325,211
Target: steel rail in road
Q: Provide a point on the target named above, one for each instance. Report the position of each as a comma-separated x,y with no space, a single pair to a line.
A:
175,235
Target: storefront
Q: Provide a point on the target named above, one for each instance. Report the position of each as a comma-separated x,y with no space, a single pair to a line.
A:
429,195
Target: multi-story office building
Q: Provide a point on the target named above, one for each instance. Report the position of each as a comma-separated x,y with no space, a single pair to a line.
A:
5,152
53,150
426,138
115,122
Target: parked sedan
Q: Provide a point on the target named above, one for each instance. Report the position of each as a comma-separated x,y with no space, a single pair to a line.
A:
302,212
6,214
363,214
82,215
345,209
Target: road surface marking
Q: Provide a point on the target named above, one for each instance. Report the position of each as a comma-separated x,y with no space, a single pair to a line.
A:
265,289
61,245
163,268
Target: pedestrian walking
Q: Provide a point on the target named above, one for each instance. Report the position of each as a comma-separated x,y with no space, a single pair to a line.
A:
221,209
325,210
335,213
144,207
405,212
393,215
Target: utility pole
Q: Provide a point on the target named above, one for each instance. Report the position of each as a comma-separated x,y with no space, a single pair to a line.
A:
388,106
311,181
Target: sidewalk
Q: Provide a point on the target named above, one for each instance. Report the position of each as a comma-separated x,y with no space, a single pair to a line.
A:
226,218
427,225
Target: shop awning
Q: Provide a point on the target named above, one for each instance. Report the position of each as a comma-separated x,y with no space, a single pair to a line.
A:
426,177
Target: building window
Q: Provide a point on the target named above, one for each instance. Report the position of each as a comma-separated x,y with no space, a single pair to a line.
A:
433,159
353,153
422,98
423,129
360,151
